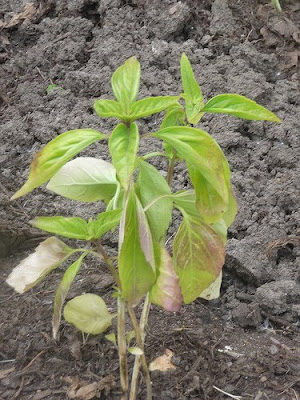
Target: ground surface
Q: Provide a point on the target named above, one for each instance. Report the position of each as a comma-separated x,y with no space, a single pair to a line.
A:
247,343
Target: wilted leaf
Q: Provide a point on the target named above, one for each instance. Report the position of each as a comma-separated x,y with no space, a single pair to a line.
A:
27,14
136,273
125,83
88,313
70,227
192,92
162,363
240,106
62,291
166,291
55,154
47,256
198,256
123,146
85,179
108,108
151,105
151,185
213,291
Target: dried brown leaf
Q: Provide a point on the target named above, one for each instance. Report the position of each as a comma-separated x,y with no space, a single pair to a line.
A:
162,363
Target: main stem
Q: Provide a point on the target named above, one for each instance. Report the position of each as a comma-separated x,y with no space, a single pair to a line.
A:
122,348
137,363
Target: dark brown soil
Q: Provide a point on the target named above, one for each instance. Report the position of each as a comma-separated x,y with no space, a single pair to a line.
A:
247,343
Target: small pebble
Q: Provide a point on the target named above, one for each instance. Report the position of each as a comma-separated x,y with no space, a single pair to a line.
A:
273,349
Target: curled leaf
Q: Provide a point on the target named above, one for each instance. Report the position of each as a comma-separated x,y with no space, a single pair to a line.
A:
62,292
47,256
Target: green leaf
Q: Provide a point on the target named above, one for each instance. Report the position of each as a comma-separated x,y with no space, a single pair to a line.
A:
136,351
151,105
151,184
240,106
88,313
125,83
186,200
62,291
69,227
85,179
47,256
111,337
109,108
232,209
105,222
209,203
198,255
166,291
123,146
202,153
136,258
175,116
55,154
192,91
53,86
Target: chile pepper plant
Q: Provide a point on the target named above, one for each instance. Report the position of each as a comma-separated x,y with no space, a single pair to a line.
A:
139,201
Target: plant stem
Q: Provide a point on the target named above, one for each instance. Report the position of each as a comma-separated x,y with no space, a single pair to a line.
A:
171,168
122,348
109,262
137,363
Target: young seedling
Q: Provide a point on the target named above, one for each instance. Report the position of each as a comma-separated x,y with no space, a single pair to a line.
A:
140,202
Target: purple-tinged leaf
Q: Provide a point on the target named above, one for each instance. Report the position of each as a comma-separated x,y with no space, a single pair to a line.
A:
198,255
166,291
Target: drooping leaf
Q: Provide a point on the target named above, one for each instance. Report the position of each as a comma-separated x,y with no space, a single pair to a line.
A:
166,291
88,313
151,105
47,256
55,154
85,179
209,203
220,228
175,116
136,258
192,91
201,152
198,254
62,291
109,108
123,146
213,291
240,106
125,83
105,222
151,184
70,227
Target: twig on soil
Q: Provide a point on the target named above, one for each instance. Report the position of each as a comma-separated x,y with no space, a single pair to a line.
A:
228,394
18,392
292,239
33,360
